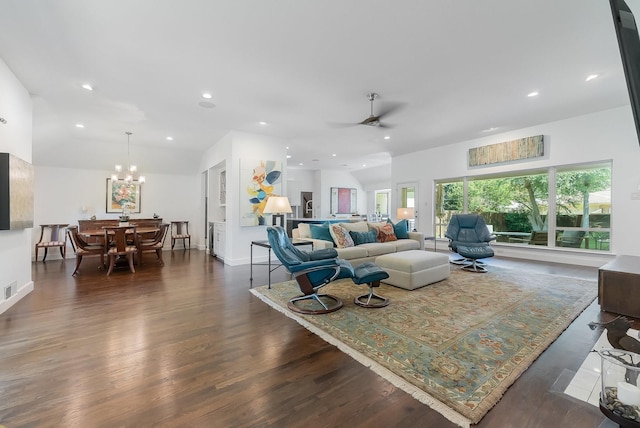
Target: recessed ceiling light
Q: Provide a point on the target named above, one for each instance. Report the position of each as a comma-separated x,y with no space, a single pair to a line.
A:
169,138
288,156
386,137
262,122
207,95
300,164
287,147
591,77
493,128
79,125
334,155
88,87
364,164
533,94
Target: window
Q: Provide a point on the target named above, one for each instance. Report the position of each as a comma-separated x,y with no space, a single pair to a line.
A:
567,206
449,201
583,207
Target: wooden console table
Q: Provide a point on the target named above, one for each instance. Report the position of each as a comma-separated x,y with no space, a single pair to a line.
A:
619,286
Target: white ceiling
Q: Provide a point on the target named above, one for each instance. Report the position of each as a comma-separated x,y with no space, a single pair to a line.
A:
460,68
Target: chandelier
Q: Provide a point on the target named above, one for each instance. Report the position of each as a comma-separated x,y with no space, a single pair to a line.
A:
131,173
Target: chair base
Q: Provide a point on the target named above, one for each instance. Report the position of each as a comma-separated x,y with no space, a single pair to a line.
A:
474,266
371,300
465,261
335,304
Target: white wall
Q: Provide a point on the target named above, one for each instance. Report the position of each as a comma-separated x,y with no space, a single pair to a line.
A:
607,135
61,193
15,138
333,178
233,147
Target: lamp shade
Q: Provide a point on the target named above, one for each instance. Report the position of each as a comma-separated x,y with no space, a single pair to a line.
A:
405,213
277,205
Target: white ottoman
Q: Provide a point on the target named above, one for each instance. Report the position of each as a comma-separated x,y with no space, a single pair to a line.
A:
414,269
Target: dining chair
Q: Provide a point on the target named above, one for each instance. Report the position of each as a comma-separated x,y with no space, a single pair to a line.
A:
116,245
155,244
51,236
180,230
83,248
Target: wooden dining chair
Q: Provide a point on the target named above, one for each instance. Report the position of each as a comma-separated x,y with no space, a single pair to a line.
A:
155,244
115,238
51,236
180,230
83,248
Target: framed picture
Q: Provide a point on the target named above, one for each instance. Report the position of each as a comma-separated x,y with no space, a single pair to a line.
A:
259,179
343,200
121,195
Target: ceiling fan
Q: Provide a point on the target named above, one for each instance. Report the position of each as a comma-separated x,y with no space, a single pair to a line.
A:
373,120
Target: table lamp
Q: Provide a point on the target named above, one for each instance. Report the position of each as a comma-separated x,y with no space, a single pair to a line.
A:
277,206
406,214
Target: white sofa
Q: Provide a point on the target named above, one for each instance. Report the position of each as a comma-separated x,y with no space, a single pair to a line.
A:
363,252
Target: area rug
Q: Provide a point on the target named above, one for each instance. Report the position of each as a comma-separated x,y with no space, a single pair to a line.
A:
456,345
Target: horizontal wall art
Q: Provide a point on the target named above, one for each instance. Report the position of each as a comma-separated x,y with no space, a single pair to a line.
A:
524,148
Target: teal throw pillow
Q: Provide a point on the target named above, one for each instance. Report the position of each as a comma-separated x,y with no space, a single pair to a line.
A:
363,237
400,229
320,232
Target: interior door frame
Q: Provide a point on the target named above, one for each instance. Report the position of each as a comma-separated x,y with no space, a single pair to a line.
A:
416,199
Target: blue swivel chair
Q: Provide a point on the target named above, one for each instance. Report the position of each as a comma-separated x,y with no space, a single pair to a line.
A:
313,270
469,236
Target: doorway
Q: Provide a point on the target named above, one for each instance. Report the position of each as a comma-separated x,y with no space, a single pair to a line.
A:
307,204
408,198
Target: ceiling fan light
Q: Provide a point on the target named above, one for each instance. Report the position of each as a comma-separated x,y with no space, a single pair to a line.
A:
119,168
133,168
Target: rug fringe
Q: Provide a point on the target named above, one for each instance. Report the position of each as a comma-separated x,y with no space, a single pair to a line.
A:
394,379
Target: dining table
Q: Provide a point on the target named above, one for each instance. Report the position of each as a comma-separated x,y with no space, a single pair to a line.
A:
97,235
142,231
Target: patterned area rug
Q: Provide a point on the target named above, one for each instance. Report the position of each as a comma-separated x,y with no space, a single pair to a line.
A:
456,345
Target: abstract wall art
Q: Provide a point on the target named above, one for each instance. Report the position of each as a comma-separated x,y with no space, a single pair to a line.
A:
259,179
523,148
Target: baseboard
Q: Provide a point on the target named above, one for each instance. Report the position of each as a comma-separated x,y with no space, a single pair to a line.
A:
22,292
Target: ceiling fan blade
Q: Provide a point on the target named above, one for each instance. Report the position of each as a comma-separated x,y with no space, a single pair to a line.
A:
382,125
390,107
341,125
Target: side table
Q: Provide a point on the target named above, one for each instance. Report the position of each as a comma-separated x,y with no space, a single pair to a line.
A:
264,243
619,286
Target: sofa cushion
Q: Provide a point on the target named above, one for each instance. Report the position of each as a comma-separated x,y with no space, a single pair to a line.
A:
303,230
378,249
363,237
320,232
400,229
405,244
358,226
352,252
340,236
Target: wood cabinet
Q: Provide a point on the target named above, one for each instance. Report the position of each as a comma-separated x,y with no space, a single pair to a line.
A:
618,286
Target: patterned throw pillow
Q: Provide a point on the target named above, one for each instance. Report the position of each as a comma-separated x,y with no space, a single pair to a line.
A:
400,229
340,236
363,237
384,231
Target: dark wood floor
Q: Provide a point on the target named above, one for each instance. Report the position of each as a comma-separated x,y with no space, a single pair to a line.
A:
188,345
